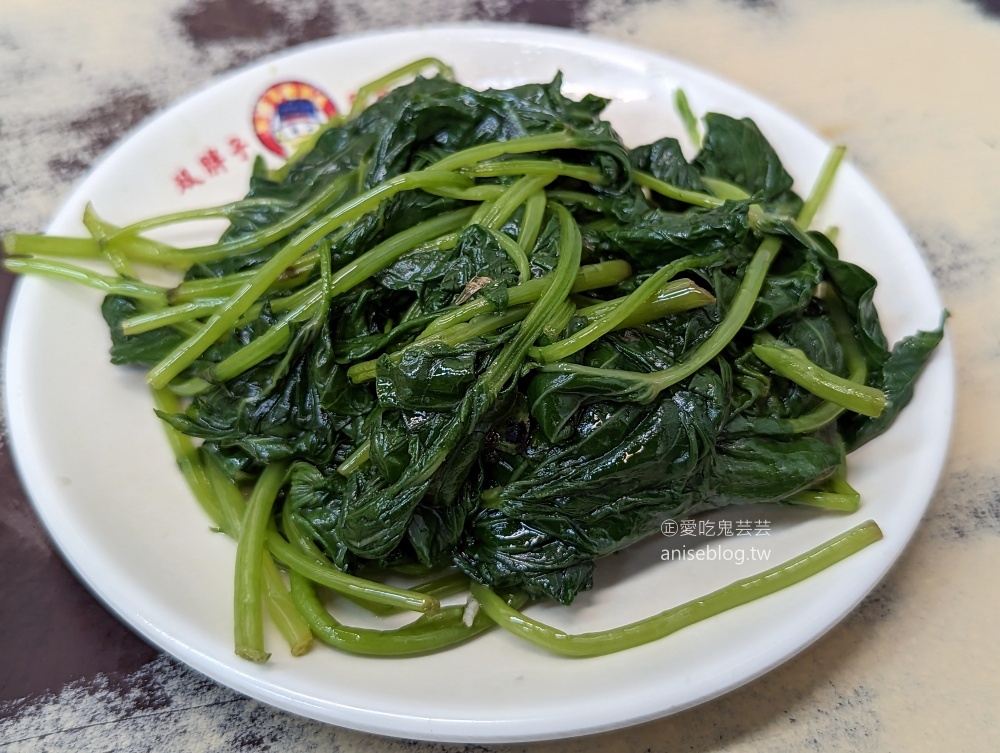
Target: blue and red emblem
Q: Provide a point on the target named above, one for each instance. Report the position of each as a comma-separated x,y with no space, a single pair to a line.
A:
288,113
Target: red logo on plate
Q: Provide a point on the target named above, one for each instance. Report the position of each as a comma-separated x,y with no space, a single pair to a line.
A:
288,113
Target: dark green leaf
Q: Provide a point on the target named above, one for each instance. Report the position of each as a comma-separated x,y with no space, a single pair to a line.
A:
897,378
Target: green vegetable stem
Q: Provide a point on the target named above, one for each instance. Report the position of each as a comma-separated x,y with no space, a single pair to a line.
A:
671,620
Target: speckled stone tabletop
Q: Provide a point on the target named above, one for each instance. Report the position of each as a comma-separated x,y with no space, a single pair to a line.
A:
909,86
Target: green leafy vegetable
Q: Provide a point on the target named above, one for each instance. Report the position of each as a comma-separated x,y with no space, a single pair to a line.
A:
472,332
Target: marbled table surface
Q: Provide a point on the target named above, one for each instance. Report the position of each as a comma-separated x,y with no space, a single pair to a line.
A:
909,86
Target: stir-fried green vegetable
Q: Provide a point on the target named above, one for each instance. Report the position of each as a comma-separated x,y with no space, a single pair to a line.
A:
471,332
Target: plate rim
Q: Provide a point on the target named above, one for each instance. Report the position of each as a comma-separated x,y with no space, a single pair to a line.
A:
380,722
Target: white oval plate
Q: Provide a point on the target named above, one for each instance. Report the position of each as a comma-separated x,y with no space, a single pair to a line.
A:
98,470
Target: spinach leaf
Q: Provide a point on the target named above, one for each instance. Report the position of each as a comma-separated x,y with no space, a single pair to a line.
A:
659,237
664,160
144,349
897,378
439,278
294,407
736,151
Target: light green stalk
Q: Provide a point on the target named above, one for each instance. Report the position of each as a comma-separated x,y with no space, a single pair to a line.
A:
671,620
